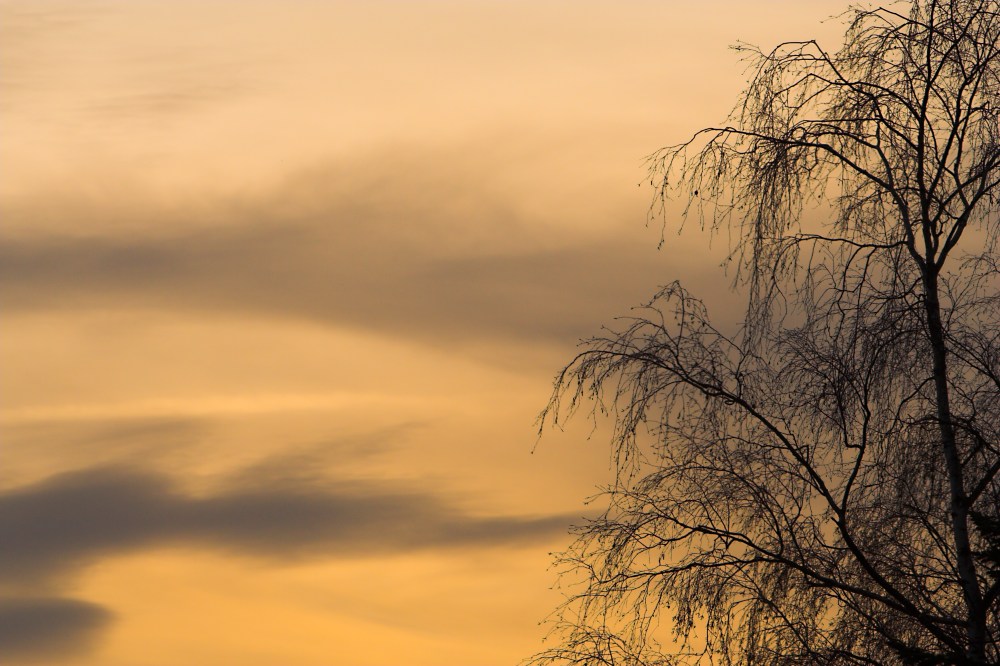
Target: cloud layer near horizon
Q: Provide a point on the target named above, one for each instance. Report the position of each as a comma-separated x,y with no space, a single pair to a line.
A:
53,529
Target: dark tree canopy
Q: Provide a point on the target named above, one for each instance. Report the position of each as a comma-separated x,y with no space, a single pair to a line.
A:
820,487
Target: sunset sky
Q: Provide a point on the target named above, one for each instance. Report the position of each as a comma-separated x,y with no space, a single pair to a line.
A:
284,286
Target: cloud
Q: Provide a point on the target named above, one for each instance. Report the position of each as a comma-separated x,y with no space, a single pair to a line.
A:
106,438
152,78
38,449
53,528
321,276
46,628
431,256
27,26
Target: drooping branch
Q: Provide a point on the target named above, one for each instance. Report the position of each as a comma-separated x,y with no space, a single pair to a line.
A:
801,491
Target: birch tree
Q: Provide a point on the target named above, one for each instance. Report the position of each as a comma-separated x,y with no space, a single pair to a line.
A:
820,486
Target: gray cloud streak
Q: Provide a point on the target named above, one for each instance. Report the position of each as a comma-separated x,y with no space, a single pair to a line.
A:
433,256
48,628
55,527
314,275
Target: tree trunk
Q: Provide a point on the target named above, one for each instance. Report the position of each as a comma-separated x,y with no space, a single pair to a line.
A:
976,621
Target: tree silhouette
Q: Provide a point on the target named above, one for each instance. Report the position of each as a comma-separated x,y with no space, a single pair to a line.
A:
820,487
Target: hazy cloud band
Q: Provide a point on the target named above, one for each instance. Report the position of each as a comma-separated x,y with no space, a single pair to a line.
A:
54,527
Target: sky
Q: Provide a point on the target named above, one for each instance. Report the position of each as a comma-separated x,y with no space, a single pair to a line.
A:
284,288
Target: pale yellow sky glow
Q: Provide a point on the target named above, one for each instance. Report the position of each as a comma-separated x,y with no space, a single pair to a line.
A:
284,287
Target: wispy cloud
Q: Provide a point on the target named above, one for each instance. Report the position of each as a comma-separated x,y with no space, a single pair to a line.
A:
54,528
33,628
346,246
314,275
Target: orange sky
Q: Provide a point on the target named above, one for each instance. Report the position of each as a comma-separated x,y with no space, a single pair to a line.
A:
284,286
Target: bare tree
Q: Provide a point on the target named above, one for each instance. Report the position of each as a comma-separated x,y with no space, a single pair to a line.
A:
820,487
